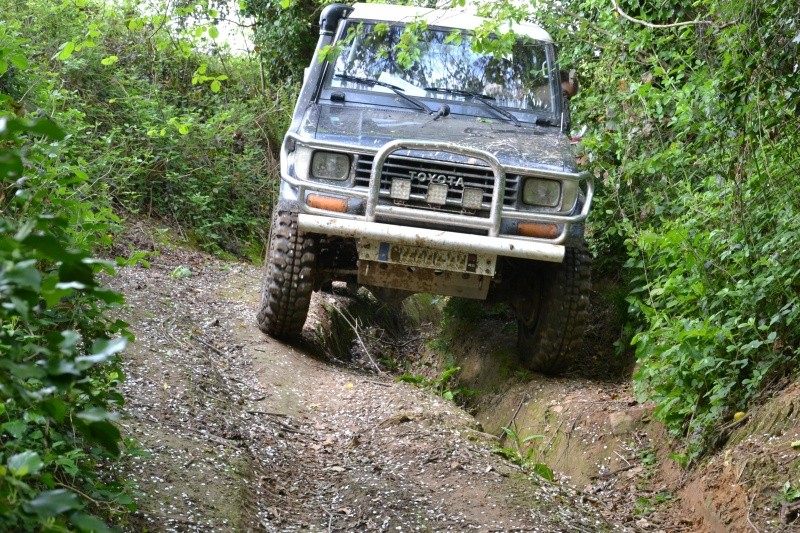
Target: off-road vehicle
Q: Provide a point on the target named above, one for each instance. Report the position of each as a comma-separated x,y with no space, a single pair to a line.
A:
417,163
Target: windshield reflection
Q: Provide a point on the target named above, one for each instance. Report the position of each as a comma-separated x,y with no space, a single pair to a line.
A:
519,80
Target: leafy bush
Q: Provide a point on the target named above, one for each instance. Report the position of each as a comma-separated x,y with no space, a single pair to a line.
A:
286,34
722,314
167,123
59,368
693,119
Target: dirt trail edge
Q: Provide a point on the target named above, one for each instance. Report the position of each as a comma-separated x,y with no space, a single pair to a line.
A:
245,433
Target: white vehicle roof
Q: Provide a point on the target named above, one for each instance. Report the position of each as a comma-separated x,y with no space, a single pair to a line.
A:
461,19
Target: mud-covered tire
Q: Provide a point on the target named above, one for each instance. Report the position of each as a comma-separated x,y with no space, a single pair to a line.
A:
553,312
289,271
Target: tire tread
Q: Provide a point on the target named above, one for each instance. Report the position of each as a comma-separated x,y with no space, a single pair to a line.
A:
288,278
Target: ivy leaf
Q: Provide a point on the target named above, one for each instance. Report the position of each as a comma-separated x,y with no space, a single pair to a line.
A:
102,350
46,127
96,414
47,245
103,433
10,165
107,348
215,86
69,340
543,471
76,271
56,408
19,61
15,428
66,50
23,371
109,296
86,522
42,126
52,503
50,294
22,464
24,275
455,37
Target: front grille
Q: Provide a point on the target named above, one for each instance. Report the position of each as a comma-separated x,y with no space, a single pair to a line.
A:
473,176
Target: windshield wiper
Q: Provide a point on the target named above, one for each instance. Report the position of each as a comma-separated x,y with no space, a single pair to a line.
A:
483,98
398,90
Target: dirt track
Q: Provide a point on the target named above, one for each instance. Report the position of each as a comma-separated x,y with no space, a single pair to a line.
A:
238,432
246,433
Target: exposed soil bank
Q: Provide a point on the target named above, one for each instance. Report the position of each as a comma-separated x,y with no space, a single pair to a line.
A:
594,435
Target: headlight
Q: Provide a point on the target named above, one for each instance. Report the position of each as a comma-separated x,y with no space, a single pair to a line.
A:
330,166
541,192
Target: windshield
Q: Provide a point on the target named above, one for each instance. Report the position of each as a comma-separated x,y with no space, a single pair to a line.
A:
442,66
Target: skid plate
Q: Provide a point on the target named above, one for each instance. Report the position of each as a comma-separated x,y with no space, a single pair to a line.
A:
419,279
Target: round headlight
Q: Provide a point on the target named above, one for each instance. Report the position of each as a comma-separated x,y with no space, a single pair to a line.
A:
541,192
330,166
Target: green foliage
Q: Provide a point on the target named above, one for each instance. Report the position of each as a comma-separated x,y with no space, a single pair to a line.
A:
442,385
693,139
790,492
647,505
523,453
286,33
59,367
166,122
181,272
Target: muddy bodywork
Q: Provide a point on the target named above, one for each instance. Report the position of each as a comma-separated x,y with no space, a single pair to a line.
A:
527,147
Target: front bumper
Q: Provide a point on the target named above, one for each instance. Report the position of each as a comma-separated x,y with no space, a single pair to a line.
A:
426,238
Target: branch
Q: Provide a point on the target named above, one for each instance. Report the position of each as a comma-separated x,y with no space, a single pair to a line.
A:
660,26
354,326
73,489
238,22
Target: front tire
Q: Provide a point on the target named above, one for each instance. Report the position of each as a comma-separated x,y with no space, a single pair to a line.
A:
289,273
553,311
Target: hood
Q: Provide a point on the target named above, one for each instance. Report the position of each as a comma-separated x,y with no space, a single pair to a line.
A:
528,146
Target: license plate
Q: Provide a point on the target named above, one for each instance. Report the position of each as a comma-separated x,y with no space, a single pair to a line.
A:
432,258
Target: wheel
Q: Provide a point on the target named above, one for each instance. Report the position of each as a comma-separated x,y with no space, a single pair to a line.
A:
552,312
288,278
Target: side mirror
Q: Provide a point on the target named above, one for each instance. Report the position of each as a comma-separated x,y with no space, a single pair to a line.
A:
569,82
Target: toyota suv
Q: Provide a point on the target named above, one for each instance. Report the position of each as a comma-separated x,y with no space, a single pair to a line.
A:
424,156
